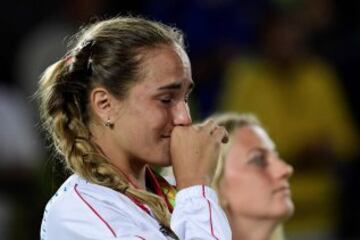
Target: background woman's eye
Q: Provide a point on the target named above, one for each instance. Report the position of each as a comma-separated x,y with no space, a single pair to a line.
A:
259,160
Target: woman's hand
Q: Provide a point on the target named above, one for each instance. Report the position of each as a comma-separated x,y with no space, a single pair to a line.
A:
194,152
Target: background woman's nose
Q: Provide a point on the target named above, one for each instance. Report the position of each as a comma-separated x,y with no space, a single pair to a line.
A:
283,169
289,170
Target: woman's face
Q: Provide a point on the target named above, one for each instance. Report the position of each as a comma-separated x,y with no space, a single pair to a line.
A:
255,182
154,105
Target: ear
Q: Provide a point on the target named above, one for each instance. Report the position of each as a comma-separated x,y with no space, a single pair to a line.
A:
103,103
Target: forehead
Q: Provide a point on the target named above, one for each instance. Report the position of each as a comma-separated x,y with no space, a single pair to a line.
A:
250,137
166,64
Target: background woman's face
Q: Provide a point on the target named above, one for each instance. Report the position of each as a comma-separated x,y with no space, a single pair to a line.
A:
154,105
255,182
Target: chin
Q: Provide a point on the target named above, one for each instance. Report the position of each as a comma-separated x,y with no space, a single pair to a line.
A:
162,160
286,210
165,163
291,209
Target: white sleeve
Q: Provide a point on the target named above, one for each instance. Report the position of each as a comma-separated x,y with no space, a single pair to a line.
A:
197,215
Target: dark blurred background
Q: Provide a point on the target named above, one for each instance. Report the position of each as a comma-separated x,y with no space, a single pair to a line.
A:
293,63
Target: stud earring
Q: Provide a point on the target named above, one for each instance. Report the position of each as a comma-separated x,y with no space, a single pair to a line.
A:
108,124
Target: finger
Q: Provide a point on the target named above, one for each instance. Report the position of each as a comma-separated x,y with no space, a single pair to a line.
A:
198,126
209,126
214,129
221,135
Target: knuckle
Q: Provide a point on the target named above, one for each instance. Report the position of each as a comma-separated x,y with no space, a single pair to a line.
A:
211,121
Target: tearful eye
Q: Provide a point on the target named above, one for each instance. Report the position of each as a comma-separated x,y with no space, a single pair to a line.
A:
165,100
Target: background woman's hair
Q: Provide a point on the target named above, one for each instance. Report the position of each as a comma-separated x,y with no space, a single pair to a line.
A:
232,122
107,53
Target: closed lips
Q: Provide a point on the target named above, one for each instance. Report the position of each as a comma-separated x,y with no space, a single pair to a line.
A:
281,189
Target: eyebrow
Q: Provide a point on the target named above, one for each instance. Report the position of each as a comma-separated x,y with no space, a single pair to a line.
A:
175,86
257,149
263,151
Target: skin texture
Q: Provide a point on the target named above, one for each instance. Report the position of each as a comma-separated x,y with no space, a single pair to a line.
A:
255,185
144,121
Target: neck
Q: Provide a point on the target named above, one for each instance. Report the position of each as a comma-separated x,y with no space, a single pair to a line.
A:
133,169
251,228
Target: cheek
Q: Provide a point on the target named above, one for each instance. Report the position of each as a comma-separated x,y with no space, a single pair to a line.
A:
248,192
148,118
162,118
155,116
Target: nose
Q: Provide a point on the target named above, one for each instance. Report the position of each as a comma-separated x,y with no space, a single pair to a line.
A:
283,169
181,114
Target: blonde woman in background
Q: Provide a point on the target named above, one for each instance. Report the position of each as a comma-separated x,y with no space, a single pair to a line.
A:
252,180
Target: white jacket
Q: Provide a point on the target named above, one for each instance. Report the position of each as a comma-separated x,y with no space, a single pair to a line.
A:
81,210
